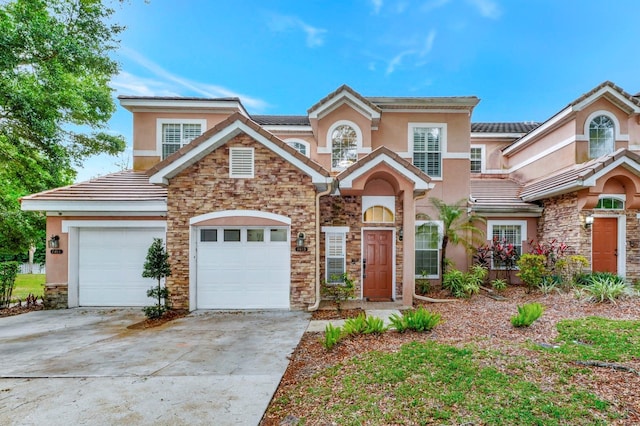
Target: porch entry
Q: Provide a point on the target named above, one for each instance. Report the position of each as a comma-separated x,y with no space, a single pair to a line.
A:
377,265
604,245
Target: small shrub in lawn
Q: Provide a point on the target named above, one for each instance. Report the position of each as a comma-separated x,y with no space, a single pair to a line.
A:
332,336
605,288
357,325
415,319
499,284
527,314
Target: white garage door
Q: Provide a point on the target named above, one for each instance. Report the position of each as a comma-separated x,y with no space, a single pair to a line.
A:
110,265
243,268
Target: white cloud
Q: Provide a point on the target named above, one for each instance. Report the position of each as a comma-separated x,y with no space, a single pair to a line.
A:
377,5
283,23
487,8
418,53
169,84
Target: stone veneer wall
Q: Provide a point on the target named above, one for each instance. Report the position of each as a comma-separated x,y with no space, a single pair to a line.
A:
347,211
277,187
562,220
56,296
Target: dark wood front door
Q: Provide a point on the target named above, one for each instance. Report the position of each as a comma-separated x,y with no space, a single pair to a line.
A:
378,265
604,245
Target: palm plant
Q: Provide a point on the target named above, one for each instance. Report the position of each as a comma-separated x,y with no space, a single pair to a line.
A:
457,227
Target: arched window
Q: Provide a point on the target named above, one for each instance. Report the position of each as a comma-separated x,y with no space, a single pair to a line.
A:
378,214
610,203
344,147
301,147
601,136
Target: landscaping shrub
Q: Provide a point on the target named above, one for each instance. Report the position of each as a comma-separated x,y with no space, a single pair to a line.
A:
549,283
423,285
363,325
604,287
8,273
527,314
499,284
415,319
532,269
341,289
462,284
571,267
332,336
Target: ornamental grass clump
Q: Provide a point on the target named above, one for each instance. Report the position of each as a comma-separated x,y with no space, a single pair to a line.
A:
603,287
415,320
363,325
527,314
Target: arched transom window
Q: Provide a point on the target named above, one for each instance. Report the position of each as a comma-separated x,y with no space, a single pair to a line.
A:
610,203
344,147
378,214
601,136
299,146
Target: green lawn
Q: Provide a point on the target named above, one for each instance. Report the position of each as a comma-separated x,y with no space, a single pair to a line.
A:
433,383
28,283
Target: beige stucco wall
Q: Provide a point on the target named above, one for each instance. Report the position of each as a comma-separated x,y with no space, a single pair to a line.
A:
145,135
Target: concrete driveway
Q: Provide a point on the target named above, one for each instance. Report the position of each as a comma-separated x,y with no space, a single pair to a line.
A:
84,367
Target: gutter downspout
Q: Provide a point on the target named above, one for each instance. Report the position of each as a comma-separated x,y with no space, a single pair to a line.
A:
328,191
417,296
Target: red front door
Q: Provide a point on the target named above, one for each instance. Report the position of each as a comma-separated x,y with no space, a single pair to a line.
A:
604,245
378,265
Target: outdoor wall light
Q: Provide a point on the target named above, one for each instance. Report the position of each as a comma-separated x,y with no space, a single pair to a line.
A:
300,242
588,221
400,234
54,242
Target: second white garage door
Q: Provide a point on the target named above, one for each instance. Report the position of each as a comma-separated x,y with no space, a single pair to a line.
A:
243,268
110,264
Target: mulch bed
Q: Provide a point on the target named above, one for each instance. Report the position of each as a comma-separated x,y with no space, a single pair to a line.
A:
157,322
17,310
483,322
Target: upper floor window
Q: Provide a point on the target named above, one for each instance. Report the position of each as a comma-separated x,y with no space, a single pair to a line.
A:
601,136
610,203
428,146
476,157
301,146
344,147
174,134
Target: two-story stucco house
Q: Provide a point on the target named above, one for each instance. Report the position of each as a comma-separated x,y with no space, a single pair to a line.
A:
257,211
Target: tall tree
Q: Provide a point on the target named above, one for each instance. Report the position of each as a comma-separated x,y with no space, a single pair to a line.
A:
55,100
457,226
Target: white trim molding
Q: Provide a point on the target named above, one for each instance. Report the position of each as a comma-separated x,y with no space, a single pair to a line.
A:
345,97
66,224
239,213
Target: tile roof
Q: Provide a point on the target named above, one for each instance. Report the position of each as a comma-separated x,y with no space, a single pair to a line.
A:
203,138
515,127
383,150
121,186
336,92
489,194
572,178
281,120
610,84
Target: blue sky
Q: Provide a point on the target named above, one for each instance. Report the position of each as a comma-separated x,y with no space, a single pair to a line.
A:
525,59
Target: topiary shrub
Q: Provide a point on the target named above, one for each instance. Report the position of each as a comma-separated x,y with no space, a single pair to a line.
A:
157,266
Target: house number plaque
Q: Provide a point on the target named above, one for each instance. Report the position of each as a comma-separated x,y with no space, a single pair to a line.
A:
56,251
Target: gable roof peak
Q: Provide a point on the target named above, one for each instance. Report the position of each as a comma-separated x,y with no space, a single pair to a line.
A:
345,94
